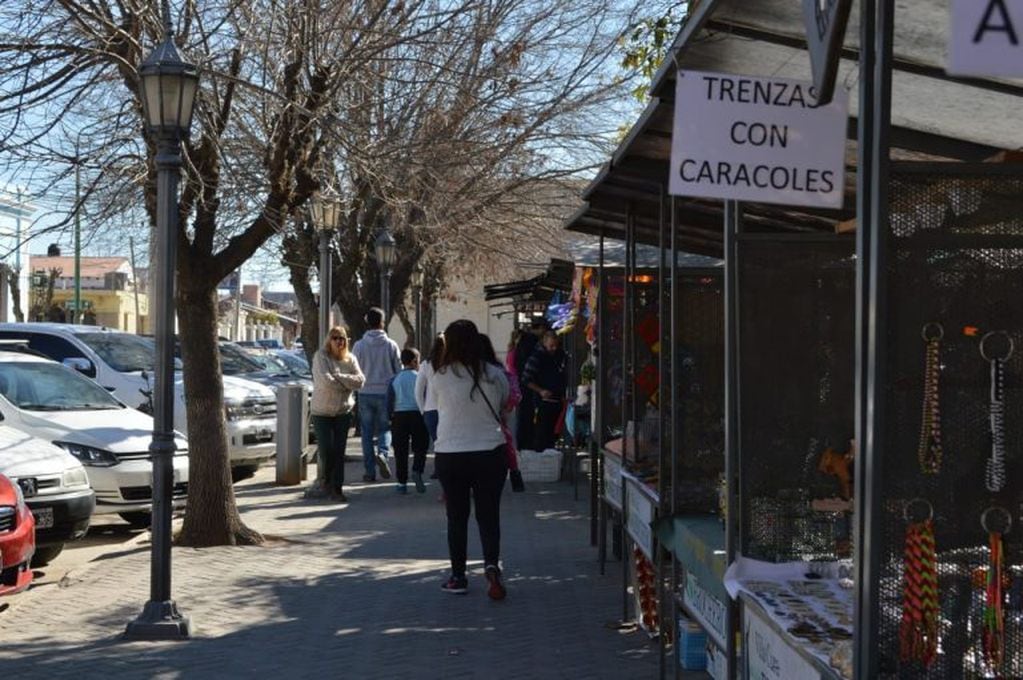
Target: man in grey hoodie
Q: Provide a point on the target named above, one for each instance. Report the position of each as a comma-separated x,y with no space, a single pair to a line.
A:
380,359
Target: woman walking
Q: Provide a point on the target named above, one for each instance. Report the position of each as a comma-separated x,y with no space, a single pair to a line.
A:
470,455
336,375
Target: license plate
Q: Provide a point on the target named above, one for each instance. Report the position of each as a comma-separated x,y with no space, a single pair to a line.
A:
264,435
44,518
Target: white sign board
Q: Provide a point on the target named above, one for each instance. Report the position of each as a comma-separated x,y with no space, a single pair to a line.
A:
985,39
757,139
708,611
613,481
639,515
768,656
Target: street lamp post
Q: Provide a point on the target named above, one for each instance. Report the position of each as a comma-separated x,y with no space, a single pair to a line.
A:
386,252
168,87
326,214
417,302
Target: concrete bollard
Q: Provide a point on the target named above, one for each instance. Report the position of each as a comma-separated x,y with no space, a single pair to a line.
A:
291,434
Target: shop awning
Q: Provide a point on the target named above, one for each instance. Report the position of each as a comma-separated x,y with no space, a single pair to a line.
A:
934,117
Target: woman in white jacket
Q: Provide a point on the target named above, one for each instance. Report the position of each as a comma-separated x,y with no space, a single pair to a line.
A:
469,451
336,375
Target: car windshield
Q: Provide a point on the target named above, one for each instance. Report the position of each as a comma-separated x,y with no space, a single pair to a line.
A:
234,360
297,364
39,386
269,362
123,352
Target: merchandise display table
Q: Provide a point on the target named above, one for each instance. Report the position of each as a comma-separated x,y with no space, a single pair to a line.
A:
794,626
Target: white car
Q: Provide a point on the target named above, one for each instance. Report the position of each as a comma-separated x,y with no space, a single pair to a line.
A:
123,363
56,404
55,487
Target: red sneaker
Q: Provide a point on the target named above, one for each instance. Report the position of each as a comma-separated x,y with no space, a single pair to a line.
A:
496,591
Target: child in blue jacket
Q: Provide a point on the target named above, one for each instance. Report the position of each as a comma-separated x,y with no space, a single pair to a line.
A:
407,424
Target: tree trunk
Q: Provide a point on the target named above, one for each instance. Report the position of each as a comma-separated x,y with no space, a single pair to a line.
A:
211,517
408,325
297,252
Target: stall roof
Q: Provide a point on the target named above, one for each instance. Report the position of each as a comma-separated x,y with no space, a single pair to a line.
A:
585,251
539,288
976,118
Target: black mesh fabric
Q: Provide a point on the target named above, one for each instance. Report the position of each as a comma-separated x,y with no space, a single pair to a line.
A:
796,365
699,356
955,259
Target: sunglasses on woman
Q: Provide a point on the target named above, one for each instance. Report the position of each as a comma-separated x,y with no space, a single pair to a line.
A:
338,338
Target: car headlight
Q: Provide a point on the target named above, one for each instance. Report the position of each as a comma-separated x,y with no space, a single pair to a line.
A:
88,455
235,410
19,498
76,477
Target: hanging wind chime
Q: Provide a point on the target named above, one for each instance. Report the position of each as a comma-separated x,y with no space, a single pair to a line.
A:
918,630
930,451
994,594
994,471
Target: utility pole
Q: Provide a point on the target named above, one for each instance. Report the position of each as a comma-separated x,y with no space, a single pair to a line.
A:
76,315
238,305
135,285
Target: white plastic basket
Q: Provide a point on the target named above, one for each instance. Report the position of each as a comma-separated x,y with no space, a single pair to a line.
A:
540,466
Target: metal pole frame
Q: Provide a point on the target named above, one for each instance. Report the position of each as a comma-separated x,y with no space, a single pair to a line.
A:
628,375
325,273
733,452
665,461
598,393
877,37
160,618
675,398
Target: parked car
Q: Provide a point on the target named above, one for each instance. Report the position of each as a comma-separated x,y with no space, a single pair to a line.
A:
55,403
123,362
239,362
55,486
17,539
269,343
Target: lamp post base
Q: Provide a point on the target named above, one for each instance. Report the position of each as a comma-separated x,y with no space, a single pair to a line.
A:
159,621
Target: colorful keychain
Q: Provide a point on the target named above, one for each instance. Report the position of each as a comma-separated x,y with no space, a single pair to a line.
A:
918,631
994,594
994,472
930,451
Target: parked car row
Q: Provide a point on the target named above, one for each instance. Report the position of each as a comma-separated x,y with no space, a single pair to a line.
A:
75,435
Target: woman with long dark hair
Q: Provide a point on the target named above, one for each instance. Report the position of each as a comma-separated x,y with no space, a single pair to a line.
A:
469,451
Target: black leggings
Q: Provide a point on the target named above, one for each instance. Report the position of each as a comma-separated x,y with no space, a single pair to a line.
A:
479,475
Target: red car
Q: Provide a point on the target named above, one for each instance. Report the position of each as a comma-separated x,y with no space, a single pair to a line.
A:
17,539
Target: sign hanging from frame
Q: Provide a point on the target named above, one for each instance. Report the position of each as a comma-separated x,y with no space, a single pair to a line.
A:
825,22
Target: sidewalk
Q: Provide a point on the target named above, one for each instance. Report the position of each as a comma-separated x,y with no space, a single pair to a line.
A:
353,592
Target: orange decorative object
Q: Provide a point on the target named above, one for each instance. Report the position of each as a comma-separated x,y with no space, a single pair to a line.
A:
841,466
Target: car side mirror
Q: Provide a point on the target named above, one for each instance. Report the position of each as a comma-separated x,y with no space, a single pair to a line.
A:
80,364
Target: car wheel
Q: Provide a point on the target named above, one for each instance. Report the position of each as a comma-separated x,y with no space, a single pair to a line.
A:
46,554
137,520
241,472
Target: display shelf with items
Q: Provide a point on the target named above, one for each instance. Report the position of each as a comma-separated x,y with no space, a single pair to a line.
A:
947,535
800,612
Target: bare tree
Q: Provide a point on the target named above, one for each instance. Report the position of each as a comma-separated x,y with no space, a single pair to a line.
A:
468,144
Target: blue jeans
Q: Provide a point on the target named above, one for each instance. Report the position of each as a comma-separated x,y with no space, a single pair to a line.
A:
375,424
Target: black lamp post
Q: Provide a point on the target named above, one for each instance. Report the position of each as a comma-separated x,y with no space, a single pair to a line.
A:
386,252
168,86
326,214
417,302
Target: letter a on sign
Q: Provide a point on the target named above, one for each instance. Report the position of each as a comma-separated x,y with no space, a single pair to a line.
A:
825,22
986,38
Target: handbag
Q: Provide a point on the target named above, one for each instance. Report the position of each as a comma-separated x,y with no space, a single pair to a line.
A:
518,485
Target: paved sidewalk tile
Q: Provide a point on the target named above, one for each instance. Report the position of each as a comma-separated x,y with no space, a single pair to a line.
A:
345,591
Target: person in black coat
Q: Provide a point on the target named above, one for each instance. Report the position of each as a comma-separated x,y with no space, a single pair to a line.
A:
524,428
544,377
